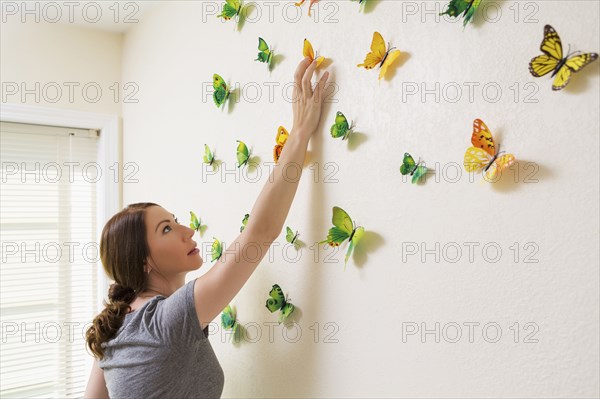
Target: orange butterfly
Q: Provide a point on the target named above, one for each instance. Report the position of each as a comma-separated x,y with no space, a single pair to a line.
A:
483,155
309,5
281,138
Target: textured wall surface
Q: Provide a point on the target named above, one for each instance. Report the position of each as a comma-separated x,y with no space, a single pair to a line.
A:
516,317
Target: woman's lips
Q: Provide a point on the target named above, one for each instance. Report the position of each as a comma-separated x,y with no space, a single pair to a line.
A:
194,251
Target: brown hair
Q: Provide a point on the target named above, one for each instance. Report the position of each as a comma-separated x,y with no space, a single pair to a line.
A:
123,252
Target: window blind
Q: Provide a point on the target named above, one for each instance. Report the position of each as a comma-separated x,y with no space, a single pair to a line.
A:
50,258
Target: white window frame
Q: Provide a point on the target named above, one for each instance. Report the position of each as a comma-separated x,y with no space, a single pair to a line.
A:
109,192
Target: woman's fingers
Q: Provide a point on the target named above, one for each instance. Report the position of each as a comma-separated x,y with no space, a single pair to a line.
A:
299,74
306,85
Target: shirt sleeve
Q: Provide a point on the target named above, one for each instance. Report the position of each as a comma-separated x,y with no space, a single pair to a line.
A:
177,318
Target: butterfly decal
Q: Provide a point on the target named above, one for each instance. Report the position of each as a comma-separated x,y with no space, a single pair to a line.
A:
216,250
195,223
242,153
341,128
343,229
280,139
465,7
291,237
307,51
265,53
379,55
409,167
209,156
309,5
231,8
552,60
483,154
229,319
222,90
277,301
244,222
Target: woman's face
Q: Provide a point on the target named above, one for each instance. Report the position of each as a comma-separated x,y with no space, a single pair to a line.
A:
169,243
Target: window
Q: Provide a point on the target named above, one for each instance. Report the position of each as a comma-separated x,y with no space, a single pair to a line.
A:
49,258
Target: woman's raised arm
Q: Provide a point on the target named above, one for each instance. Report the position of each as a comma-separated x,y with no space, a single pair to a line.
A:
215,289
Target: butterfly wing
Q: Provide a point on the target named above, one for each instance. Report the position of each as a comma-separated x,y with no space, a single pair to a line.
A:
289,235
230,9
208,155
342,220
340,127
552,48
286,311
375,56
542,64
391,57
242,153
280,139
476,159
551,44
194,223
244,222
419,172
501,163
276,300
228,318
307,51
216,250
573,64
408,164
262,45
456,7
470,12
358,234
482,137
265,54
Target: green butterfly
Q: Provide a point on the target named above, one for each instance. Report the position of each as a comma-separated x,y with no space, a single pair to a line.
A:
222,91
278,302
217,250
341,128
243,154
265,54
409,167
229,319
231,8
343,229
209,157
466,7
244,222
195,222
291,237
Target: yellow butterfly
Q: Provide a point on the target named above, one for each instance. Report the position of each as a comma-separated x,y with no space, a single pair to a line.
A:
552,60
309,5
281,138
307,51
379,55
483,154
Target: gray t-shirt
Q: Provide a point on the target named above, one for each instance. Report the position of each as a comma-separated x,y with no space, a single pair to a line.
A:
160,352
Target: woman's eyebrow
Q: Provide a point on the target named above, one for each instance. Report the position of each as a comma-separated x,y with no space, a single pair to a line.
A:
162,221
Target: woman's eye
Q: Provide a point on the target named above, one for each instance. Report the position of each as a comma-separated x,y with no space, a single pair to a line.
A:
176,221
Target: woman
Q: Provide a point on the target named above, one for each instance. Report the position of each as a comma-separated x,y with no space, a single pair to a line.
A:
151,339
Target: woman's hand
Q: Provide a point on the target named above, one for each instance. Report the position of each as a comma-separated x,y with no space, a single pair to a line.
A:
306,103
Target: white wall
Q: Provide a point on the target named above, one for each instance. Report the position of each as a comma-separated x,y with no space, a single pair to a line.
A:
173,52
60,65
